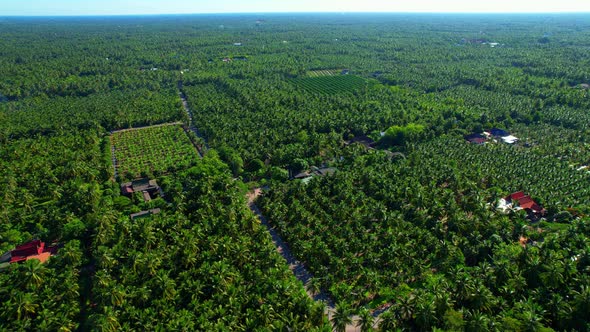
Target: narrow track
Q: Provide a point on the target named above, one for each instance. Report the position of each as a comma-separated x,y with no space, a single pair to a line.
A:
297,267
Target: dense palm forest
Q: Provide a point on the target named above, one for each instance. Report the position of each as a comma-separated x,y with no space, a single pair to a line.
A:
403,231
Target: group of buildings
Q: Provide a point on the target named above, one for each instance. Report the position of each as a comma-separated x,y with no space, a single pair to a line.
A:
520,201
149,190
493,134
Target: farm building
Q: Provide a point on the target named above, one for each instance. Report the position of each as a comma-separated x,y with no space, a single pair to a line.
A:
503,135
509,139
144,214
324,171
476,138
148,188
35,249
302,175
363,140
498,132
520,201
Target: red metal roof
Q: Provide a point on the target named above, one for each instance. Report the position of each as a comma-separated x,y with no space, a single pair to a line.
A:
517,195
526,202
477,140
31,250
43,257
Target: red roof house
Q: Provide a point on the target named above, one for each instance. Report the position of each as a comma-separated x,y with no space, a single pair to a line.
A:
525,202
476,138
31,250
517,195
127,190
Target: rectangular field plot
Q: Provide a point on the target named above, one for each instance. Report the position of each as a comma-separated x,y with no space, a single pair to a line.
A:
154,150
324,72
330,84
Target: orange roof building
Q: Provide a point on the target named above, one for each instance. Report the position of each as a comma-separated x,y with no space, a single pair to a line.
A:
35,249
525,202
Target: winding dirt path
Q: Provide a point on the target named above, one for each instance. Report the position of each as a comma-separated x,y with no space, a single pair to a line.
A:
191,124
297,267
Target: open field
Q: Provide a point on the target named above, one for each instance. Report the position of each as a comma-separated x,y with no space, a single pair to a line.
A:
331,84
324,72
152,150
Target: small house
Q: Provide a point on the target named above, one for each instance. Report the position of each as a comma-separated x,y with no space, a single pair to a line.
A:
315,171
144,214
498,132
35,249
503,135
148,188
302,175
509,139
237,44
366,141
476,138
520,201
324,171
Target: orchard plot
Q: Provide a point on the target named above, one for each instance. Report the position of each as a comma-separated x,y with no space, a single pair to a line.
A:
331,84
152,150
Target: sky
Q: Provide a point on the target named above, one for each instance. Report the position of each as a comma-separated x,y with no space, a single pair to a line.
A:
130,7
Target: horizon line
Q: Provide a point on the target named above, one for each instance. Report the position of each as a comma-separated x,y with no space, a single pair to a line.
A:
306,12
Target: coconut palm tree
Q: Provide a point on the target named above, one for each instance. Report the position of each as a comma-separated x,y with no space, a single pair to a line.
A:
388,321
366,320
314,286
34,273
341,317
25,304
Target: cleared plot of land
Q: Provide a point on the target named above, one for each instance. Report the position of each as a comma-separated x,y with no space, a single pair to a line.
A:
153,150
331,84
324,72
